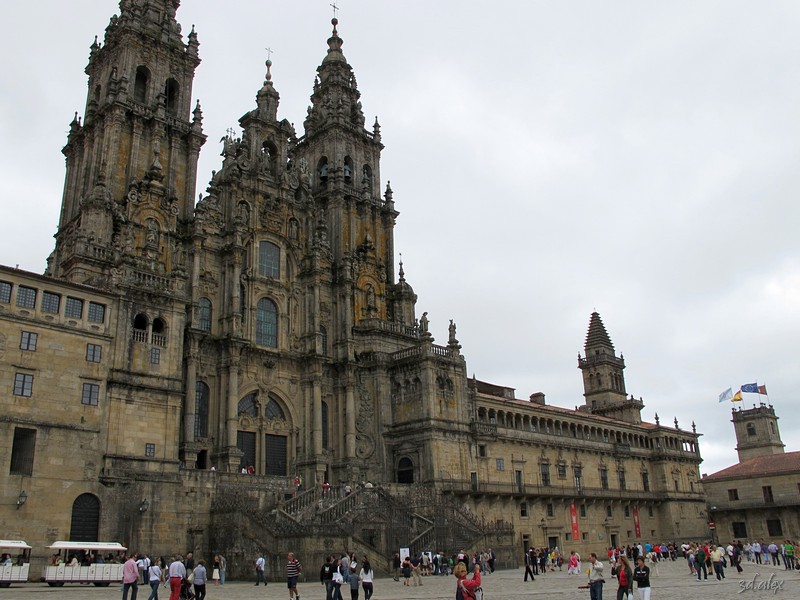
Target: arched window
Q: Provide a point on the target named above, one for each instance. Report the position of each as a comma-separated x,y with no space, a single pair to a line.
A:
322,169
140,322
405,470
274,410
248,406
159,332
267,323
171,93
201,396
140,85
751,429
85,523
204,314
366,176
324,425
269,260
348,169
324,340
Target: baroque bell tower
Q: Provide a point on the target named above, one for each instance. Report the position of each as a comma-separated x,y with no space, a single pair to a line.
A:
131,164
604,378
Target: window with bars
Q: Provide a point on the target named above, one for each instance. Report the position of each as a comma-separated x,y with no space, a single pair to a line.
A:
91,394
155,356
51,303
645,481
622,480
96,312
201,397
267,323
73,308
269,260
544,469
5,292
94,352
550,510
26,297
22,451
23,384
27,341
204,314
604,479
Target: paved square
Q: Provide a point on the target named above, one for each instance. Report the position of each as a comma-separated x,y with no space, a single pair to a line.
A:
672,582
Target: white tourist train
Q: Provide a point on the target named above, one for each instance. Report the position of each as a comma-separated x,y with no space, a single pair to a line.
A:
15,562
98,573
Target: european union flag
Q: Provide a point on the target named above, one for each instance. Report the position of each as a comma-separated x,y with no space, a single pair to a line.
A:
751,388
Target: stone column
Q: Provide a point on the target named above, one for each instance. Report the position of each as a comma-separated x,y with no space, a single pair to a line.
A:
350,414
191,390
233,406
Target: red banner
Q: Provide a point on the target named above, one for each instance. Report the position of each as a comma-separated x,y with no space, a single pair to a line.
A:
573,517
636,527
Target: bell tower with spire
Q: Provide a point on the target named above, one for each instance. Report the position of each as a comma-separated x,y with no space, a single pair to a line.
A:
603,377
131,164
343,159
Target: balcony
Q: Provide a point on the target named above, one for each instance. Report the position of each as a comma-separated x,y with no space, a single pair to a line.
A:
467,487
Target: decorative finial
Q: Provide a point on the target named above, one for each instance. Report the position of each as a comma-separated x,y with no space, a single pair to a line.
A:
402,273
694,427
658,421
676,423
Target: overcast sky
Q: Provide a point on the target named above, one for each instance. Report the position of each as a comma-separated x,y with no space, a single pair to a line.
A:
548,159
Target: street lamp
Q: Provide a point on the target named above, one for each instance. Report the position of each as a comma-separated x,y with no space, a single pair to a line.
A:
145,504
22,499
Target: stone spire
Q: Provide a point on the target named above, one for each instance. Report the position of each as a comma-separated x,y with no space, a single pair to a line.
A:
150,18
336,97
597,336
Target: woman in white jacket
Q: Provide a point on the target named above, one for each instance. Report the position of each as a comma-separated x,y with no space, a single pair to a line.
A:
366,578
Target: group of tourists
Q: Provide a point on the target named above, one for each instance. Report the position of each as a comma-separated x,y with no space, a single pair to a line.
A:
772,553
346,571
185,578
539,561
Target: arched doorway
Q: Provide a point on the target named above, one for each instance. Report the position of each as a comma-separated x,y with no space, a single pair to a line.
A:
405,470
85,524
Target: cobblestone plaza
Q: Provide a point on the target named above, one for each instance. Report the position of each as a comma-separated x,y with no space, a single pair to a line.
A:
672,582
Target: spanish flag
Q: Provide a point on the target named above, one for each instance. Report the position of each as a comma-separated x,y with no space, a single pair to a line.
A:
737,397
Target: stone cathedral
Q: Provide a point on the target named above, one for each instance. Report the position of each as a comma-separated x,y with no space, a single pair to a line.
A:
210,364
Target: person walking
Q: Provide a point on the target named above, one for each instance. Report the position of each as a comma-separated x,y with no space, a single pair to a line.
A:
465,588
354,582
326,577
130,578
530,558
396,562
596,580
717,555
700,563
200,580
293,570
641,575
366,578
177,573
155,577
261,566
406,569
624,578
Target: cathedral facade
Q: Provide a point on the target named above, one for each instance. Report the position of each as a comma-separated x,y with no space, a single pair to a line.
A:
185,361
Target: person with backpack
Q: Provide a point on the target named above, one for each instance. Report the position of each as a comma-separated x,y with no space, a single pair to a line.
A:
468,589
624,575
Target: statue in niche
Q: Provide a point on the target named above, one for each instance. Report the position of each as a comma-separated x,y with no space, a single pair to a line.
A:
370,298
